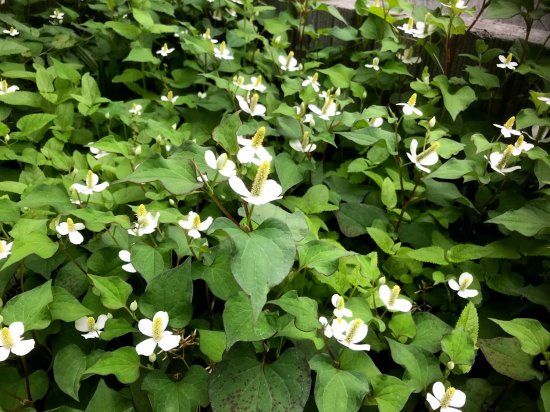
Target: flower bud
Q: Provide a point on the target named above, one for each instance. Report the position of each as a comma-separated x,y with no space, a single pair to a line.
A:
109,316
133,306
7,138
450,365
431,123
172,202
152,357
137,150
337,92
382,280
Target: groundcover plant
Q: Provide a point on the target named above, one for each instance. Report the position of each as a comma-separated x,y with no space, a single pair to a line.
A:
219,205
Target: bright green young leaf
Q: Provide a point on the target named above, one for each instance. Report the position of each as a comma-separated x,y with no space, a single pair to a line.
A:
186,395
533,337
389,198
455,101
66,307
469,321
114,292
8,47
339,75
454,169
390,393
242,383
141,55
321,255
262,259
123,363
172,292
402,325
240,324
382,239
212,344
430,254
44,196
316,200
460,349
507,358
30,307
126,30
421,367
115,328
304,310
32,243
337,390
33,125
68,368
107,399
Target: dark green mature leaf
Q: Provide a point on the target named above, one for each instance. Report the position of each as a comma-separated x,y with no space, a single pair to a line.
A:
8,47
337,390
68,367
114,292
455,101
321,255
429,331
507,358
242,383
147,261
12,387
115,328
106,399
354,218
123,363
390,393
304,310
421,367
66,307
240,324
30,307
226,133
172,292
262,259
531,334
45,196
545,396
183,396
527,220
430,254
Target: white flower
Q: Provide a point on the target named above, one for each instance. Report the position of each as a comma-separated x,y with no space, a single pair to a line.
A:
390,299
539,133
97,153
299,146
231,12
136,109
374,64
507,129
521,146
255,84
72,229
301,112
251,106
164,50
498,160
5,249
355,332
460,5
146,222
340,310
338,324
57,15
90,327
207,36
328,110
461,286
544,99
288,63
506,62
428,157
193,224
375,121
222,52
201,95
263,190
5,88
422,30
407,57
408,27
327,329
408,108
169,97
126,257
312,80
252,150
448,400
156,329
11,341
222,164
12,32
91,185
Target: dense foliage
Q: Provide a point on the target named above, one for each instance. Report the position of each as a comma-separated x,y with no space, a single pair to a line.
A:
220,205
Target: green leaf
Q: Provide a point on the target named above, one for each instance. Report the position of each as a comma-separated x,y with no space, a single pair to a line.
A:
503,9
262,259
321,255
69,365
389,198
30,307
141,55
507,358
242,383
8,47
527,220
212,343
106,399
172,292
186,395
240,325
469,321
115,328
402,326
13,388
33,126
316,200
143,17
66,307
454,169
45,196
390,393
114,292
531,334
478,75
126,30
339,75
226,133
337,390
421,367
123,363
545,396
464,252
430,254
382,239
429,332
455,101
147,261
460,348
288,172
304,310
354,218
32,243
